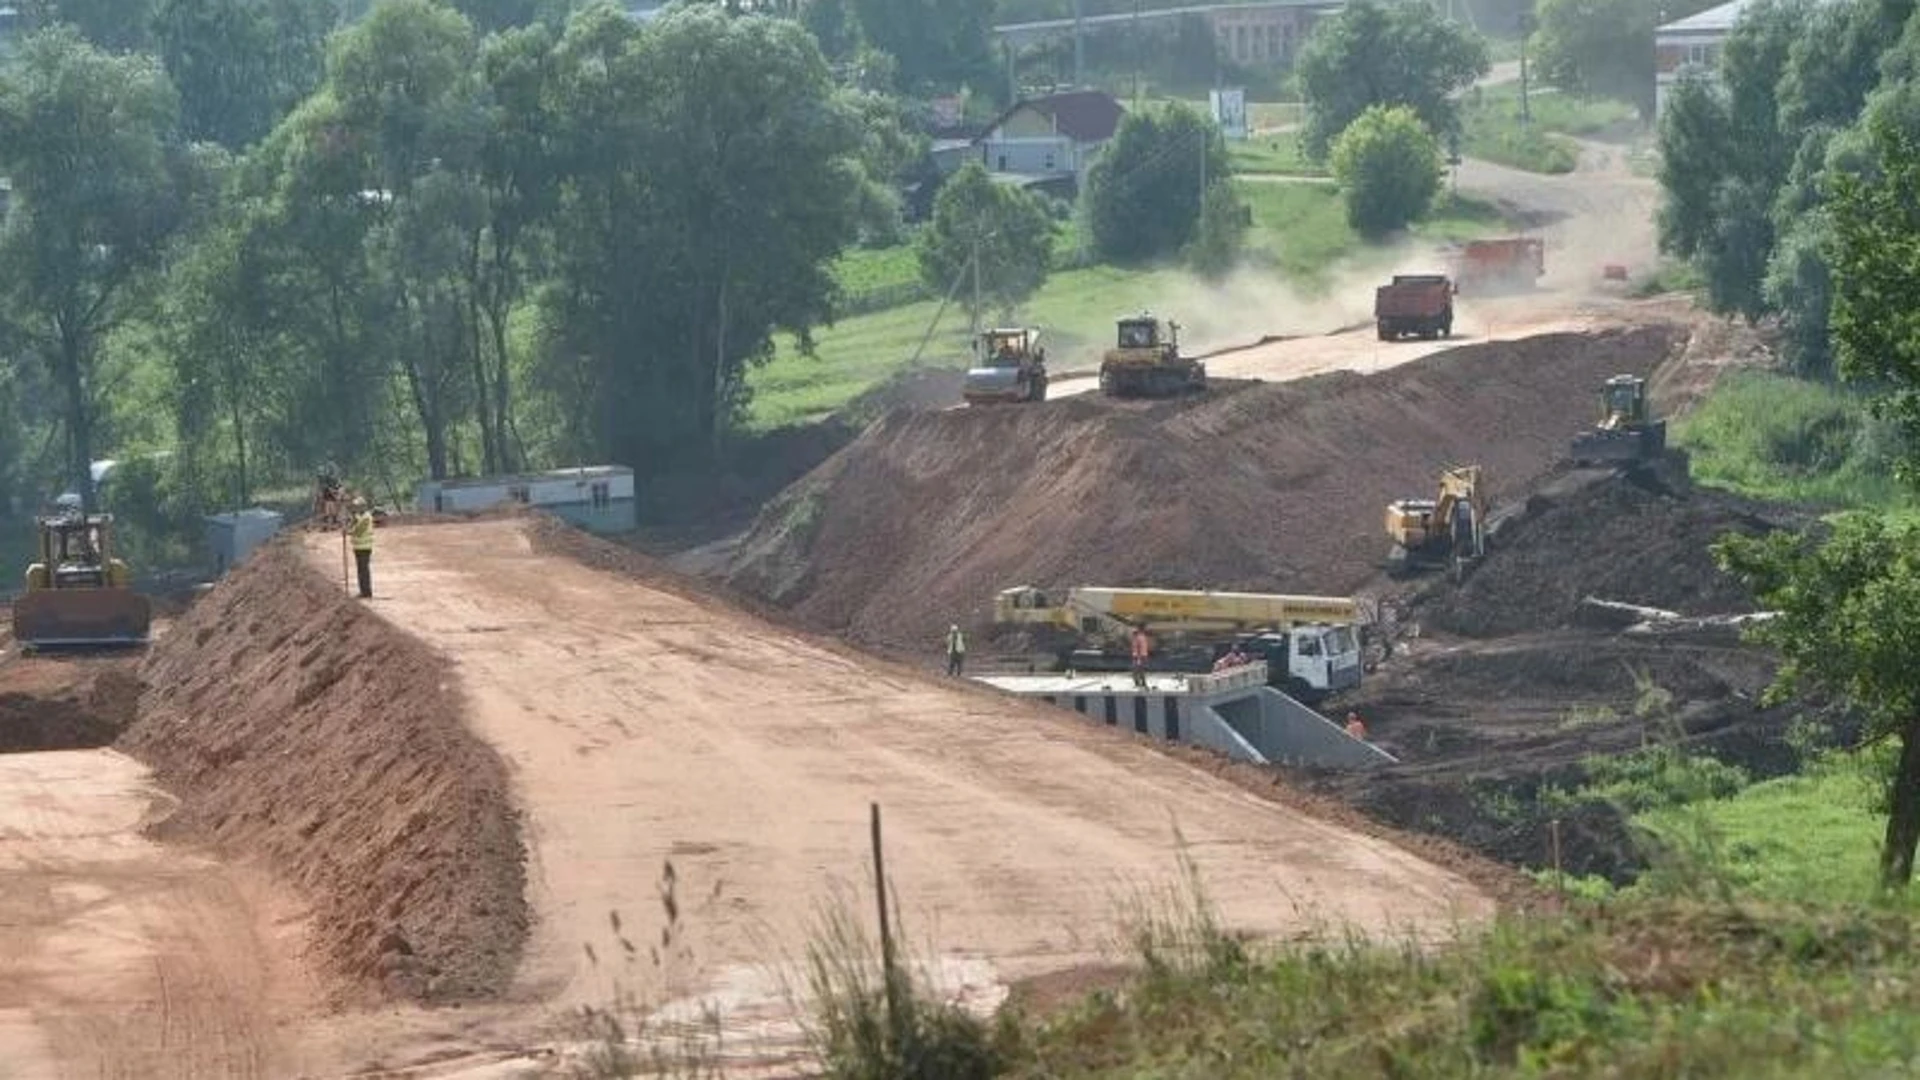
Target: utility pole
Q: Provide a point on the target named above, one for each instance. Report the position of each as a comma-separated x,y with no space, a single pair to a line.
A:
1526,32
974,322
1139,53
1079,48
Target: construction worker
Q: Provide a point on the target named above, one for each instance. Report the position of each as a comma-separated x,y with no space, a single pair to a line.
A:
956,649
1355,727
1142,648
360,531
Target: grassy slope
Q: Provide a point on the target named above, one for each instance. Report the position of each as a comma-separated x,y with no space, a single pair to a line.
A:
1299,230
1773,436
1635,988
1494,133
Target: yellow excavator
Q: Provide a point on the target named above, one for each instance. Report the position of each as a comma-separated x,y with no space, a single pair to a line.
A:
78,594
1448,530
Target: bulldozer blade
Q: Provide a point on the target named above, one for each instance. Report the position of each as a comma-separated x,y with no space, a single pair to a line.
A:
78,618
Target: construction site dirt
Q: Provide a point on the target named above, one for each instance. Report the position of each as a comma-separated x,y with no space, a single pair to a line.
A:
1498,685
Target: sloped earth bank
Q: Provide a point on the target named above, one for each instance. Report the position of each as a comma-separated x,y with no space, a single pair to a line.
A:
650,727
1256,486
1508,688
300,730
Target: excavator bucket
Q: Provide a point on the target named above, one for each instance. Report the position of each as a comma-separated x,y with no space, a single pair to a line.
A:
80,618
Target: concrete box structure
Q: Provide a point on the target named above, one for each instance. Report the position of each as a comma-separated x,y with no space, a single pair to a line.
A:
231,537
598,498
1234,713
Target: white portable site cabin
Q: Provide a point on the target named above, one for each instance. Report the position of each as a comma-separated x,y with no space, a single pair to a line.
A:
598,498
231,537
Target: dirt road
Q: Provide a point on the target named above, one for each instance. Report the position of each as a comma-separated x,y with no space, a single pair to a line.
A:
119,957
643,728
1361,350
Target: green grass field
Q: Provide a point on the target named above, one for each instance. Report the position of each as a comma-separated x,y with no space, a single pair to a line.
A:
1278,154
1494,133
1300,232
1773,436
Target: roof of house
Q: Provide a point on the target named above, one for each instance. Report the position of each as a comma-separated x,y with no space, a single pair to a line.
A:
1713,20
1082,115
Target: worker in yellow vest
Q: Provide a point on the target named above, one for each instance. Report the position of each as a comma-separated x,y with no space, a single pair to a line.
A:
360,531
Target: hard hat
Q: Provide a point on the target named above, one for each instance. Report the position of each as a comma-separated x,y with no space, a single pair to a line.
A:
359,502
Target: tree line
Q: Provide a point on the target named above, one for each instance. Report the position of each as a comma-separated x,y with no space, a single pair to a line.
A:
413,243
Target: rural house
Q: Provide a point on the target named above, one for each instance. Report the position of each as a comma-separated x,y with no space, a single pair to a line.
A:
598,498
1052,137
1690,47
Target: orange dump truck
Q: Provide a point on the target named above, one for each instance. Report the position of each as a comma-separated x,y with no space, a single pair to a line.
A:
1414,304
1504,265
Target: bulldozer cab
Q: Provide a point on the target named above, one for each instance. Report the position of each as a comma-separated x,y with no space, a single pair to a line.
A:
75,551
1623,402
1145,332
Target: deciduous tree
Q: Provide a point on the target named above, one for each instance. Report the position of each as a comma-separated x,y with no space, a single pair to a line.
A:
101,181
1388,166
1374,54
1005,228
1144,193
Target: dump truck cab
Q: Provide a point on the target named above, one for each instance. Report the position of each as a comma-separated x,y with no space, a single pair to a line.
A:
1009,365
78,592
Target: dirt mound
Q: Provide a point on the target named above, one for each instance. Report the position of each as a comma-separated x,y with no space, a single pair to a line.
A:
298,728
1629,539
1260,486
65,705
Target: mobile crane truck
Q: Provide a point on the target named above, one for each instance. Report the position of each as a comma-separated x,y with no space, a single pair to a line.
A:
1310,643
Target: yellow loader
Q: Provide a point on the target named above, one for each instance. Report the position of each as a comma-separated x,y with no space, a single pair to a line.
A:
78,594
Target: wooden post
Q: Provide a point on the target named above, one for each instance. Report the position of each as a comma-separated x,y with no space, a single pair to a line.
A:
887,971
1559,875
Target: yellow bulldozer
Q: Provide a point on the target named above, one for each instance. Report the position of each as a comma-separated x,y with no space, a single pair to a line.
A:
1146,361
1446,531
78,594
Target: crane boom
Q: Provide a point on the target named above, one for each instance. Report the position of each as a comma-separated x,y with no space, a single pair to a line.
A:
1097,609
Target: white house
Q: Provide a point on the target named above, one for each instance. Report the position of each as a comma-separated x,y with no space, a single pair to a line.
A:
598,498
1691,47
1051,137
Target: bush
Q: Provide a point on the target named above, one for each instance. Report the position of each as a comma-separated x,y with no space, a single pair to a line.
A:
1388,166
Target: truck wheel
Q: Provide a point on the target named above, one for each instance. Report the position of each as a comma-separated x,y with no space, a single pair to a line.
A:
1385,334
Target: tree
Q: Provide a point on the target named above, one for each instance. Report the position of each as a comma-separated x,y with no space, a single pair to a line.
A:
1848,616
1402,54
1599,47
1849,606
712,170
831,22
1144,193
940,44
1004,228
1221,233
113,25
240,65
1388,166
101,182
1876,272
